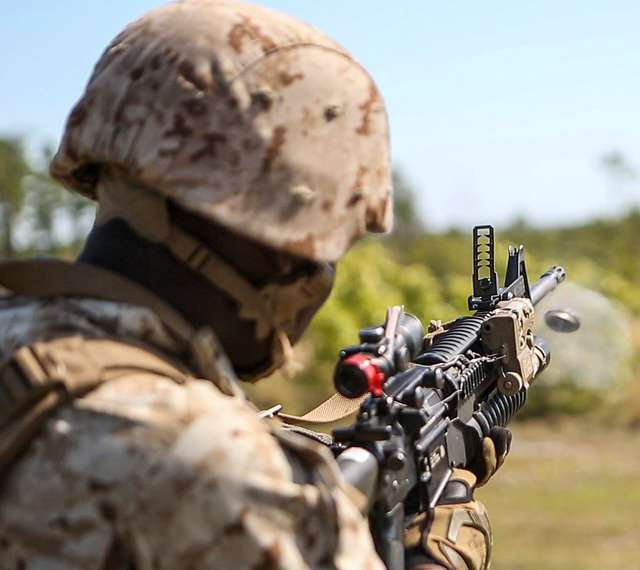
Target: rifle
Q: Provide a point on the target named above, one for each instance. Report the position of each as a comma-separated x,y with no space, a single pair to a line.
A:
431,399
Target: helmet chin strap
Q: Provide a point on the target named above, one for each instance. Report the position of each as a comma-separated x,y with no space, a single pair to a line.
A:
273,307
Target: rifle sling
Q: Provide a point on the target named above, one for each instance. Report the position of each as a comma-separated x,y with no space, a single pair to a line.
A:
335,409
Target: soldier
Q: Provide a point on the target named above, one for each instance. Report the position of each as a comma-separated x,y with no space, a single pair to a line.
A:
235,155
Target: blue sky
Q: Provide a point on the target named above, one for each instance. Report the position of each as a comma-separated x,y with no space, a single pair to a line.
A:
498,109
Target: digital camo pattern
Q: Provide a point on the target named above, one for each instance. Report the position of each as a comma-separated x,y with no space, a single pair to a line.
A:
148,474
231,110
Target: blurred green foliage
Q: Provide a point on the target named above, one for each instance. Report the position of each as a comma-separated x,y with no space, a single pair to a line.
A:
37,217
13,170
429,273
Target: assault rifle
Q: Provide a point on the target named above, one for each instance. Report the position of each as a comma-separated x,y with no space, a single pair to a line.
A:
431,399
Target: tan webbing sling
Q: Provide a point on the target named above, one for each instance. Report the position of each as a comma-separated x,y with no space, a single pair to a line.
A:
336,409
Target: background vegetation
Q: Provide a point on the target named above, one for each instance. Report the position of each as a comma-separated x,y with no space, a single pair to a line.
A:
569,496
37,217
430,274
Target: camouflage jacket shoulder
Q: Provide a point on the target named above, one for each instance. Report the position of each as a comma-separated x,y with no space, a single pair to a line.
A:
146,473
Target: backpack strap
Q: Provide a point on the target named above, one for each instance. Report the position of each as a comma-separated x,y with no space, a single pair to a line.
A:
37,379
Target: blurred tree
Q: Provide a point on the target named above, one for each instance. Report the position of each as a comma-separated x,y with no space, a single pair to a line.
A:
36,215
57,220
622,176
617,165
14,168
42,200
408,221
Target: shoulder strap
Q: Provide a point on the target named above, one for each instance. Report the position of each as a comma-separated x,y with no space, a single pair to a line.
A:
53,278
38,378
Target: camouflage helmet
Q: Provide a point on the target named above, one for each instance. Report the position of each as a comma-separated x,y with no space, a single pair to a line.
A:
244,116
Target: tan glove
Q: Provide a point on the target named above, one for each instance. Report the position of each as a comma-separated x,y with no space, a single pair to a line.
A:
457,534
495,449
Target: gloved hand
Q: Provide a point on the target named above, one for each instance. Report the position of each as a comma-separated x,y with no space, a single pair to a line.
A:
457,534
495,449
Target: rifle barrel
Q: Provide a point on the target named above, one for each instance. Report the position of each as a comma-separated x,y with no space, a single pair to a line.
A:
547,283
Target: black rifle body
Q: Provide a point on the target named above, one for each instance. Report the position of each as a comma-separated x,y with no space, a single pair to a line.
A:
428,420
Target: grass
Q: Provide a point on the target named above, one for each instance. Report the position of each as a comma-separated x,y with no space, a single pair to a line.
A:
567,498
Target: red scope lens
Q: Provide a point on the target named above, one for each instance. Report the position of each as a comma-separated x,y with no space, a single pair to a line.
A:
358,374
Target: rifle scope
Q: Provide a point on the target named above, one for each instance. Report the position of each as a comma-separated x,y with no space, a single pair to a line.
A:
366,367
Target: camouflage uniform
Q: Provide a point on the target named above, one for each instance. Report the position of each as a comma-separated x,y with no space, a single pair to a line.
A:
92,490
261,125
